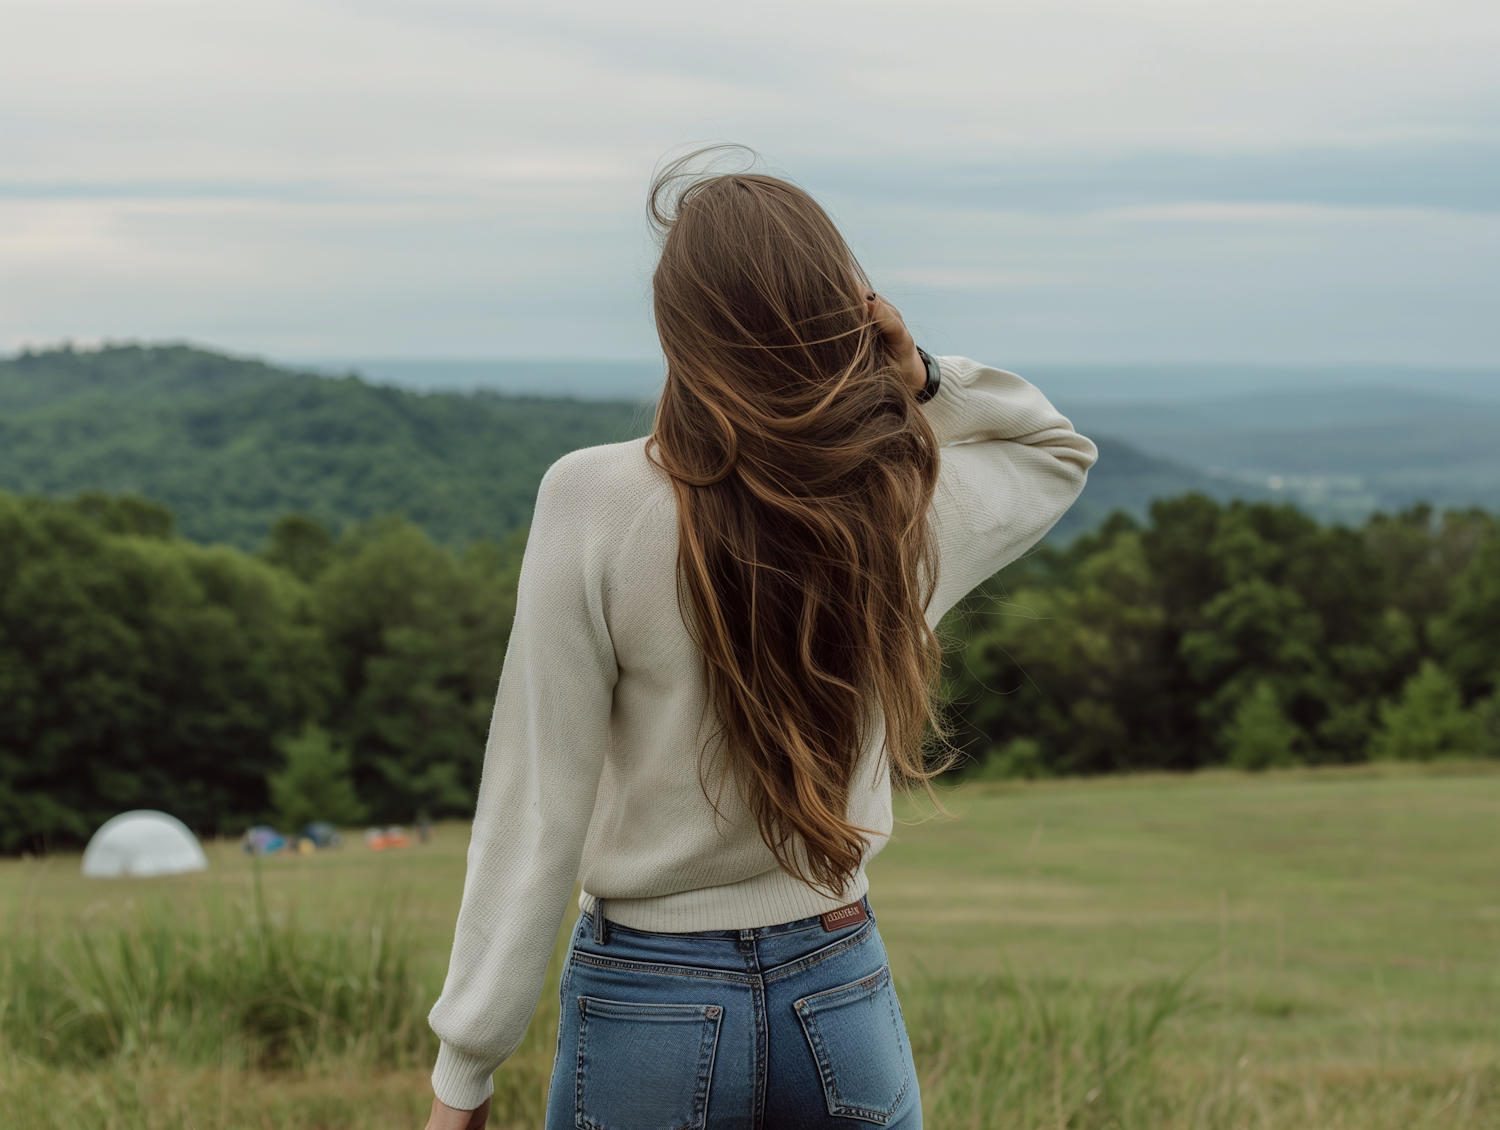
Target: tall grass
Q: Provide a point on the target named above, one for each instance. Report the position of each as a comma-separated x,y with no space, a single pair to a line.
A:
232,1016
1006,1052
228,983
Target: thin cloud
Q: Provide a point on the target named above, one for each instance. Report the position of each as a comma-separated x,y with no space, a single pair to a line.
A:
461,178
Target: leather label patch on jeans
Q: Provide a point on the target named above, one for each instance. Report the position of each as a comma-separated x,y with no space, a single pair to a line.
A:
851,915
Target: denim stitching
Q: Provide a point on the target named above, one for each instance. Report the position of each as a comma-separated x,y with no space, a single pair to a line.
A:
601,1007
579,1121
706,1056
868,986
761,1028
749,950
822,955
562,1003
625,965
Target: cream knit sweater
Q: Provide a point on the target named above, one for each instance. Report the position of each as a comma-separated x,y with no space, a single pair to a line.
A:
591,771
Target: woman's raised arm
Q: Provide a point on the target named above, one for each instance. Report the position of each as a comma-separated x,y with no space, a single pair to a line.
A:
1011,466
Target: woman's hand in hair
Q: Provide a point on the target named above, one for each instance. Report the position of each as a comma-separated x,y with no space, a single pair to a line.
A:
898,341
445,1117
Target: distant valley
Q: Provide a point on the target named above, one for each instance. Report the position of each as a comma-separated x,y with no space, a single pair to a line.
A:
1339,453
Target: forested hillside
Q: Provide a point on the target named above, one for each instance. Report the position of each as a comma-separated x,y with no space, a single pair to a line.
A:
338,659
230,445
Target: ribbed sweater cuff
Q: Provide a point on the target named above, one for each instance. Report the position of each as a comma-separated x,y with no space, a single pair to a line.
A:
461,1080
949,412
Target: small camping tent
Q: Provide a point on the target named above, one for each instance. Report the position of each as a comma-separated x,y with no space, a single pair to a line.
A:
262,840
142,843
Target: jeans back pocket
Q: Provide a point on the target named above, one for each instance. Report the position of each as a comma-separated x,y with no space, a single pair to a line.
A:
644,1066
859,1041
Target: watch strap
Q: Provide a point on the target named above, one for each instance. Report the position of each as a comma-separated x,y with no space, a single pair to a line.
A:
934,376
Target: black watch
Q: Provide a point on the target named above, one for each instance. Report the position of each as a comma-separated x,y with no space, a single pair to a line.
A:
934,376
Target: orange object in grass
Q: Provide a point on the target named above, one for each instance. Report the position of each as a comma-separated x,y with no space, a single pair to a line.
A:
379,839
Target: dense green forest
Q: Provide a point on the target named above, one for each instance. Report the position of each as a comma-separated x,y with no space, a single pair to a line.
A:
352,676
1245,634
140,669
230,445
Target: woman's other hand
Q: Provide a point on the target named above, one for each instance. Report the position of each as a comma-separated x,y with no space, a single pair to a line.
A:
445,1117
898,340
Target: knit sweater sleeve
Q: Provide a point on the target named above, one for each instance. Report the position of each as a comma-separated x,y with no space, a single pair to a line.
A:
1011,466
542,764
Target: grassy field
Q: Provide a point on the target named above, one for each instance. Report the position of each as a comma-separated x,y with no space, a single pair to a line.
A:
1299,949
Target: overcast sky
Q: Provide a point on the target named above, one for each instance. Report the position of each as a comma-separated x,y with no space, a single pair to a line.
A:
1058,180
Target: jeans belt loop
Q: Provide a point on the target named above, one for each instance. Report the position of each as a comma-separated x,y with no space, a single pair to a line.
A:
601,927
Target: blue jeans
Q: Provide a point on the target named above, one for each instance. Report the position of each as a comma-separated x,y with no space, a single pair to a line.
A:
780,1026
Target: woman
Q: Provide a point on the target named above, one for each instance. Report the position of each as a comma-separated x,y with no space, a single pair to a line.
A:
723,655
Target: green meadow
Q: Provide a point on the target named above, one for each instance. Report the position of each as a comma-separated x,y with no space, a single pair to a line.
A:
1302,948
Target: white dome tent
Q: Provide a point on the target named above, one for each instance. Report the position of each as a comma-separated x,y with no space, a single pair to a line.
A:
141,844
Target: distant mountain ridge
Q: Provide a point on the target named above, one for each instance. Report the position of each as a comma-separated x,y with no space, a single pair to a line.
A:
40,380
1288,409
1068,385
230,444
582,380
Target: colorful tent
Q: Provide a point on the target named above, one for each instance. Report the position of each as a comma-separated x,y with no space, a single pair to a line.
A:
262,840
322,834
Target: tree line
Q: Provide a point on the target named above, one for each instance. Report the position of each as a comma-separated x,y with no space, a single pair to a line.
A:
345,678
1244,634
351,677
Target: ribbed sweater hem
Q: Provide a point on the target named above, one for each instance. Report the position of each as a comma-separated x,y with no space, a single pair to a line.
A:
461,1080
768,899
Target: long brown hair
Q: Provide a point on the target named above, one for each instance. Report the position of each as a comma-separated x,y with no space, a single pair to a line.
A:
803,469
